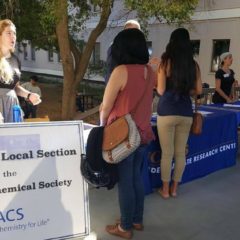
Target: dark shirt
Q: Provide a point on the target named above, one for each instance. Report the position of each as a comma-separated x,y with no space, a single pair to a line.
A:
174,103
15,65
227,80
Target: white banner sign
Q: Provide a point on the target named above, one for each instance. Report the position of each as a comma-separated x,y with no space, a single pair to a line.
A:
42,193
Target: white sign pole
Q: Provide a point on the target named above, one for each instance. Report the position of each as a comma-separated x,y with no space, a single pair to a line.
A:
42,193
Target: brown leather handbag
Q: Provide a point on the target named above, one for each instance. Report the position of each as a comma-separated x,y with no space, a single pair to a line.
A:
197,123
115,133
120,139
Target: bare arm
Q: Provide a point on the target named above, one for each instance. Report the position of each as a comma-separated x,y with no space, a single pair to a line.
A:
234,90
199,82
154,64
161,80
220,91
117,82
22,92
198,86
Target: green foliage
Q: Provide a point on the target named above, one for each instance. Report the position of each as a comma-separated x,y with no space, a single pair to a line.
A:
7,8
79,12
97,68
172,11
35,20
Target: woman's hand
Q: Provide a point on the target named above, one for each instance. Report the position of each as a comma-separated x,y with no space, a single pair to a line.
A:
34,98
154,62
229,100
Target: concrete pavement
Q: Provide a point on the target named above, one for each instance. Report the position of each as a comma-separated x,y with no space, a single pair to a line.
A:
206,209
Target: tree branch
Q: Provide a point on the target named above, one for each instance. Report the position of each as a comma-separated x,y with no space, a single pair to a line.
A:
75,51
83,64
63,37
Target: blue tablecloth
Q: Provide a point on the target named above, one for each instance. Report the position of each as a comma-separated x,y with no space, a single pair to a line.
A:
216,148
220,106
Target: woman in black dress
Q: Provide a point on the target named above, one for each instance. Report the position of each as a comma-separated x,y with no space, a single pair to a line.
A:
224,80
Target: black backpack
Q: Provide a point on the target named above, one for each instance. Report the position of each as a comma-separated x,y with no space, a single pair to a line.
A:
94,169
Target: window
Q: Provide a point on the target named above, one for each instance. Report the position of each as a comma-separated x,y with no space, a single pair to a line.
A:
59,57
149,45
25,52
50,55
219,47
96,54
33,53
196,47
96,8
19,47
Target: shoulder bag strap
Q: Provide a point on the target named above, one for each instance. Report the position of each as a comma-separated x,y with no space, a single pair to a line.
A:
146,86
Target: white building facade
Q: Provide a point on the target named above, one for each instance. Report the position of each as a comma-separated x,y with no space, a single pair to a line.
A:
215,28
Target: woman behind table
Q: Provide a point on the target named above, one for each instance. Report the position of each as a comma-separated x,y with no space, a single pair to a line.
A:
178,79
224,80
10,72
130,83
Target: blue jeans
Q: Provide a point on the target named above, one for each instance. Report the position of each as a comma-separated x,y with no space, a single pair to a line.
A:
131,189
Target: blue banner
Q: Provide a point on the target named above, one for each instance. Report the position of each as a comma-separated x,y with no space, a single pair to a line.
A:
216,148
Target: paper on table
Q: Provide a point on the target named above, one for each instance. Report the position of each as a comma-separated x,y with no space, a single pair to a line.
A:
204,112
154,114
154,117
231,105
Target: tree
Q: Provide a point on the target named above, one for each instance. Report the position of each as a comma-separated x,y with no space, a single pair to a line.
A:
173,11
54,23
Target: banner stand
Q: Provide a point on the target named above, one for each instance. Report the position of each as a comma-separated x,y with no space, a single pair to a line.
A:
42,193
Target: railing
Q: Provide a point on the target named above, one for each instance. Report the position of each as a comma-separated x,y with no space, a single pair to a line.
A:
237,92
205,99
86,114
208,93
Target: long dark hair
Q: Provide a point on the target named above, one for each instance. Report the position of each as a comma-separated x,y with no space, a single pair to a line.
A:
130,47
183,68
